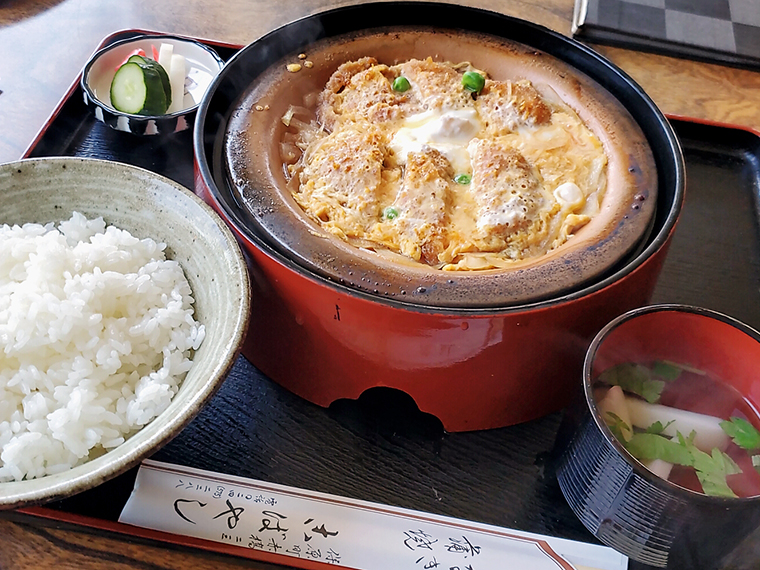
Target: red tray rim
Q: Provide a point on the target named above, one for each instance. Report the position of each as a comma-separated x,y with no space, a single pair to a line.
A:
91,522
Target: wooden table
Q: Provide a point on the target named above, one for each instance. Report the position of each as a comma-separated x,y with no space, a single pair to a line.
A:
44,45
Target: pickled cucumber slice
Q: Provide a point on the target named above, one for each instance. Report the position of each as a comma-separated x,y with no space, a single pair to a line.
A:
138,90
152,63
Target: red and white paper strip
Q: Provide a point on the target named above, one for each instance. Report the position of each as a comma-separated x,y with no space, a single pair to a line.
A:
317,528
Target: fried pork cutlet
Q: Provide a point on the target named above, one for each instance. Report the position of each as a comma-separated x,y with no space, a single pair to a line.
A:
423,204
511,202
359,90
340,180
505,105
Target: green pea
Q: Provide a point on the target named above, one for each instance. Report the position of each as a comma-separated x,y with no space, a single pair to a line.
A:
401,84
390,213
463,179
473,81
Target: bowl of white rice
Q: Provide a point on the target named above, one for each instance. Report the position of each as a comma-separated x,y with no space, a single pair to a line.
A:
124,301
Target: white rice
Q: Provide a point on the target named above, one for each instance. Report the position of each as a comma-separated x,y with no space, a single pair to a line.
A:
96,334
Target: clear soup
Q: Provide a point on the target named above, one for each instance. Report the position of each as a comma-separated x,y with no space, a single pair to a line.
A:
683,424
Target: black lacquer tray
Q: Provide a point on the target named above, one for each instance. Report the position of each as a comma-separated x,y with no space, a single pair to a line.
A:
381,448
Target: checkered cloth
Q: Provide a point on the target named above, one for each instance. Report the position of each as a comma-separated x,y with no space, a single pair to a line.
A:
724,31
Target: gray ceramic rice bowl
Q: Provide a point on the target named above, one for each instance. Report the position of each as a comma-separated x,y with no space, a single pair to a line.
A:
146,205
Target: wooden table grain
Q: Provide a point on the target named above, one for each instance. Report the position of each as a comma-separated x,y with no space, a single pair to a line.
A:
45,43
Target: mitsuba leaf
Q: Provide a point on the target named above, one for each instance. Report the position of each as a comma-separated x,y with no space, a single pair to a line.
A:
714,480
657,427
647,446
712,469
668,371
744,434
686,367
618,427
634,378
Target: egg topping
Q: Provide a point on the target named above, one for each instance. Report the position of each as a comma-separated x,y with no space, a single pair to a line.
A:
437,173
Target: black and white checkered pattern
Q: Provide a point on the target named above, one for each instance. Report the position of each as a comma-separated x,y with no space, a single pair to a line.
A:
724,31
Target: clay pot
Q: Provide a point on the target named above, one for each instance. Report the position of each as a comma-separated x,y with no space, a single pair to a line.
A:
257,176
477,351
